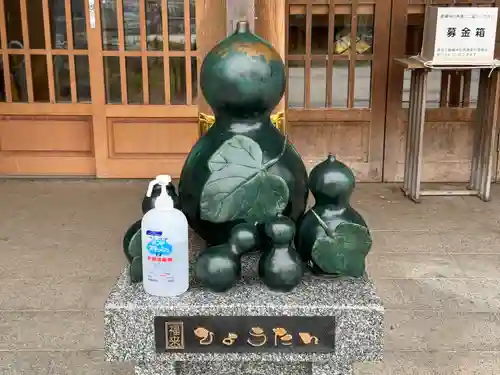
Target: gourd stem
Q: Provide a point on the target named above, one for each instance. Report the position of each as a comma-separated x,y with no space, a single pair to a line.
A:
273,161
323,224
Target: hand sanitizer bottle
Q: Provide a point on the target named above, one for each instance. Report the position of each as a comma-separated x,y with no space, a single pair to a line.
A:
165,259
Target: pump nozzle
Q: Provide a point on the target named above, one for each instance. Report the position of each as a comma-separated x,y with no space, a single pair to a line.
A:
164,200
162,179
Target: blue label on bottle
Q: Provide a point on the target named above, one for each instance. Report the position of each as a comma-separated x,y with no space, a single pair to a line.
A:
159,247
156,233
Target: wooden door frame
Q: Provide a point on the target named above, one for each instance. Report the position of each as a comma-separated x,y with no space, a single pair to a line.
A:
29,152
376,113
397,46
109,164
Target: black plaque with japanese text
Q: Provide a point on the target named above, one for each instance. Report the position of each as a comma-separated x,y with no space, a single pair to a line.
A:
244,334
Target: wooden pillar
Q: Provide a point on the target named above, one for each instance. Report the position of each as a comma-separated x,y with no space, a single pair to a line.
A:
210,29
270,17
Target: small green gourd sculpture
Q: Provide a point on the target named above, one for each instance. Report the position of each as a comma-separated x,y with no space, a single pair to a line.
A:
149,202
219,267
132,247
280,267
332,237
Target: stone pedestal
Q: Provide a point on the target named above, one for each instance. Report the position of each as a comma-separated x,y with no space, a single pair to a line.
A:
355,308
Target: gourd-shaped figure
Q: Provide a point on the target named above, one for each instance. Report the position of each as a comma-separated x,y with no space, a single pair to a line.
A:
219,267
243,169
332,237
280,267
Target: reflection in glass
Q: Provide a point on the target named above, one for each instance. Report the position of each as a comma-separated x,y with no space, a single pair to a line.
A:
319,34
433,89
342,34
177,80
112,79
364,44
406,89
134,80
154,25
58,33
318,84
109,25
78,15
61,79
156,77
18,81
176,37
192,23
364,34
35,25
82,78
131,25
362,84
40,78
296,84
474,88
13,24
194,75
297,34
340,86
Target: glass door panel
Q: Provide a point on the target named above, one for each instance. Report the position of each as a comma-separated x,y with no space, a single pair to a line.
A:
149,51
44,48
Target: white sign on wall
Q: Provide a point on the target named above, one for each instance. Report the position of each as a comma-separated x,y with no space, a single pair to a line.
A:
459,35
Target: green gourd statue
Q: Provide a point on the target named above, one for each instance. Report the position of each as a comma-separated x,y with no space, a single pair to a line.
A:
149,202
219,267
132,247
280,267
132,241
243,170
332,236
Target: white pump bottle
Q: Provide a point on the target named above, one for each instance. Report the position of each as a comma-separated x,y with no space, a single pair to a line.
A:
165,248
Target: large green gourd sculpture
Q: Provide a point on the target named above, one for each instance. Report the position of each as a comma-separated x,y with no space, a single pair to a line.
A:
332,237
243,170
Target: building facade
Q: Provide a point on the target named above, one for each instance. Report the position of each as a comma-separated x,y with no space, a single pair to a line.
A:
109,88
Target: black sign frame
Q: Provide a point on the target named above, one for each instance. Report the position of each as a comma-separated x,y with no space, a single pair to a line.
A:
244,334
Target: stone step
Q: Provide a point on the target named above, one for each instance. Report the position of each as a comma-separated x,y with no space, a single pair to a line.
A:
83,362
60,363
51,330
435,363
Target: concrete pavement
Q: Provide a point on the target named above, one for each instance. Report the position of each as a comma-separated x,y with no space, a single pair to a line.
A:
436,266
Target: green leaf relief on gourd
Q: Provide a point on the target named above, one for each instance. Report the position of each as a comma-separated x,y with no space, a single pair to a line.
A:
342,251
240,186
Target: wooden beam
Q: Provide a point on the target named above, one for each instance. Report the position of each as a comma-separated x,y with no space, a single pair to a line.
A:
270,17
210,29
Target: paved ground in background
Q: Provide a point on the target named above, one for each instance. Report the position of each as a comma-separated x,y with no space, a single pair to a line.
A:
436,266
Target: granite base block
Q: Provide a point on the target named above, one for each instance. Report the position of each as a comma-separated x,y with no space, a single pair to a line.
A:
242,368
357,311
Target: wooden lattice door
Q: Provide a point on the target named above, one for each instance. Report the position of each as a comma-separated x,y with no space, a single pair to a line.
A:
45,89
337,70
145,65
